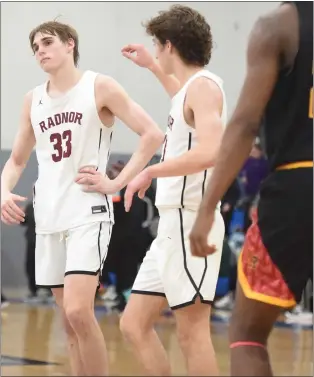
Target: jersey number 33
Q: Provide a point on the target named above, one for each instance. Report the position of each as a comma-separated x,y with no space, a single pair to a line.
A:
62,145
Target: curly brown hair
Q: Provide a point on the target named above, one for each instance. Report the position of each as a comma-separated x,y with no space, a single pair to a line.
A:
63,31
188,32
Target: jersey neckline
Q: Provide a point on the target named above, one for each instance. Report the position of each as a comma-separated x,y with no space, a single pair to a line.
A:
65,95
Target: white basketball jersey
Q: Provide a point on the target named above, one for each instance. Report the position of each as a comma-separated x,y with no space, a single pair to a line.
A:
69,135
184,191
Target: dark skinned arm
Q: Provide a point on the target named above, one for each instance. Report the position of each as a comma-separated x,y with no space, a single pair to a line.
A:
263,58
263,63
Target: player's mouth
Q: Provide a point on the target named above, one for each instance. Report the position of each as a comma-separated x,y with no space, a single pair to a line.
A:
44,60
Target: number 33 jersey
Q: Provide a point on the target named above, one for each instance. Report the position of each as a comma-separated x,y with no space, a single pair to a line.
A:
69,135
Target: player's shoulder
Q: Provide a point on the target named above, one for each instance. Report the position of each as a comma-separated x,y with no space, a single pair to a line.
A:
29,95
34,94
107,83
274,26
28,98
281,13
275,34
108,90
208,85
37,90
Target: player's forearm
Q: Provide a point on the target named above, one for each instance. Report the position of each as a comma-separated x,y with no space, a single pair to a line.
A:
169,82
191,162
11,174
149,144
235,149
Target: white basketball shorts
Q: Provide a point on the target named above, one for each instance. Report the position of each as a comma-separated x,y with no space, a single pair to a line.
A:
80,250
170,270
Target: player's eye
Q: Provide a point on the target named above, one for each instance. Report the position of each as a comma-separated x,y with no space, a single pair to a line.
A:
47,43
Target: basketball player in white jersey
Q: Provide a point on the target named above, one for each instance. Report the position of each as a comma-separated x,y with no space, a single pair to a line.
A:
169,272
70,120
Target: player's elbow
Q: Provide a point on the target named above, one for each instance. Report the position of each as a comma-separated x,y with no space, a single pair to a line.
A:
159,137
208,155
17,160
207,161
154,137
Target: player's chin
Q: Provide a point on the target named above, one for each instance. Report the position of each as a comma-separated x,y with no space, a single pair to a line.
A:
47,67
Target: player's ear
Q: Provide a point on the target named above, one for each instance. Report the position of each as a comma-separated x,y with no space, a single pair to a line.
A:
169,46
71,44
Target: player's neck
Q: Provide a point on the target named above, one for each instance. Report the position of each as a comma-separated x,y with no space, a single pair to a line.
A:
183,72
64,79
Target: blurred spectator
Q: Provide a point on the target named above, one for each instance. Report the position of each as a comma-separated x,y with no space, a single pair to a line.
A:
252,174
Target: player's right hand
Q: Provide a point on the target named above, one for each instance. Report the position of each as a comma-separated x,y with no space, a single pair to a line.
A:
139,55
11,213
139,184
199,234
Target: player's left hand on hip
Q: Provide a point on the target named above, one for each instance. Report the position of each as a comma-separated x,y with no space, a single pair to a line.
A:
199,235
94,181
139,184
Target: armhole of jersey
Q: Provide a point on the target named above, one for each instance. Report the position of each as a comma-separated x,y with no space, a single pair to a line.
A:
109,127
207,76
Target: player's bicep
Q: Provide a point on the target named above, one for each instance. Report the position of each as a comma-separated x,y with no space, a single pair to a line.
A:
206,102
25,139
263,59
123,107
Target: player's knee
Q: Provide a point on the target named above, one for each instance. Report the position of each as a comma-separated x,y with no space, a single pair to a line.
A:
184,339
131,329
239,329
67,326
78,316
128,327
242,329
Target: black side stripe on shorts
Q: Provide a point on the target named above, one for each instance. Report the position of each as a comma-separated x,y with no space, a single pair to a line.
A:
102,259
99,250
205,269
204,181
197,288
105,254
185,177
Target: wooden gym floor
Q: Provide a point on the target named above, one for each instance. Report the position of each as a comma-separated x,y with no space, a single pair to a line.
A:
32,344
